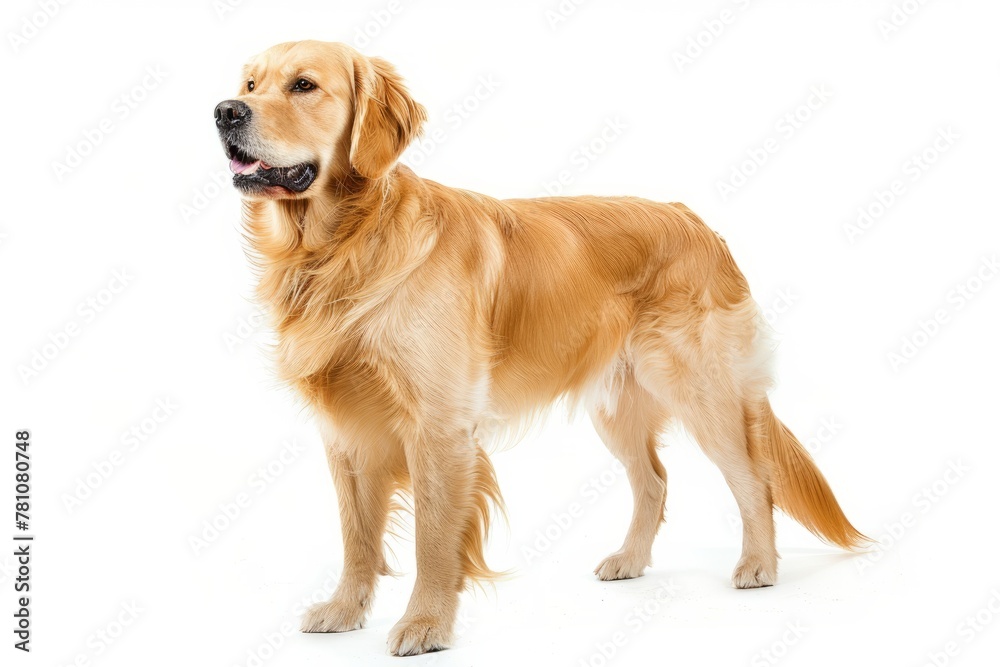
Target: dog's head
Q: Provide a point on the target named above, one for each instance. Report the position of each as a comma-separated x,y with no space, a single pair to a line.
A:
309,114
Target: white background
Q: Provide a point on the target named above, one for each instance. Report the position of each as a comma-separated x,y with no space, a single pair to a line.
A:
144,200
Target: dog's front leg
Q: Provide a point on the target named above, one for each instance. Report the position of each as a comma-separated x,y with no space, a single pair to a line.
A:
364,490
443,471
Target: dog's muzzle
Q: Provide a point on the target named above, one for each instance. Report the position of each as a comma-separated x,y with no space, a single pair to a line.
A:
250,173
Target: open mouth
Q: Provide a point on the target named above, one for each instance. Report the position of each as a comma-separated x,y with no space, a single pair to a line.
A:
251,174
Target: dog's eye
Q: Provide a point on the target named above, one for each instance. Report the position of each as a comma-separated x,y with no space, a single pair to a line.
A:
303,85
250,86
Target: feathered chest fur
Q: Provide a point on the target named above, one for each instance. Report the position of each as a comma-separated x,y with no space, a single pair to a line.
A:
331,281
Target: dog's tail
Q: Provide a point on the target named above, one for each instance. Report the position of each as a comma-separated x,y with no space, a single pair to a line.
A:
797,486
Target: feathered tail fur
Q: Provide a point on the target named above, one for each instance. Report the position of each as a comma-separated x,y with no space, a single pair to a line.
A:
798,488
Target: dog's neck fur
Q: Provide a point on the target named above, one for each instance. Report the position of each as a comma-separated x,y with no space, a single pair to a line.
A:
280,227
325,262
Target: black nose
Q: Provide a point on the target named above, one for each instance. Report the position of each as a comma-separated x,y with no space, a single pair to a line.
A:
230,114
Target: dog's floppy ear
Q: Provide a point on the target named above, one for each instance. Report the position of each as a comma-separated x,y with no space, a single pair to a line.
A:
386,118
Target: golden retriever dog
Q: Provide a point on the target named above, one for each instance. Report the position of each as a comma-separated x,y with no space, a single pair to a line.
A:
412,316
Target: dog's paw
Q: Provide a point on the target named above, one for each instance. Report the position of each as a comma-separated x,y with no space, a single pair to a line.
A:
621,565
423,634
755,572
334,616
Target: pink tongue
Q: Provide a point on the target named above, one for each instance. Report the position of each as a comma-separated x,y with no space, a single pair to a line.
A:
241,167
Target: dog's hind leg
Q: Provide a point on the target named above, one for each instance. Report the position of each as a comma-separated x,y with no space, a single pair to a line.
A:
698,371
629,420
716,421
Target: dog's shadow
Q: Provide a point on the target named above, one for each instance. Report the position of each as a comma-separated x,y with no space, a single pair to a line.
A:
824,572
800,566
